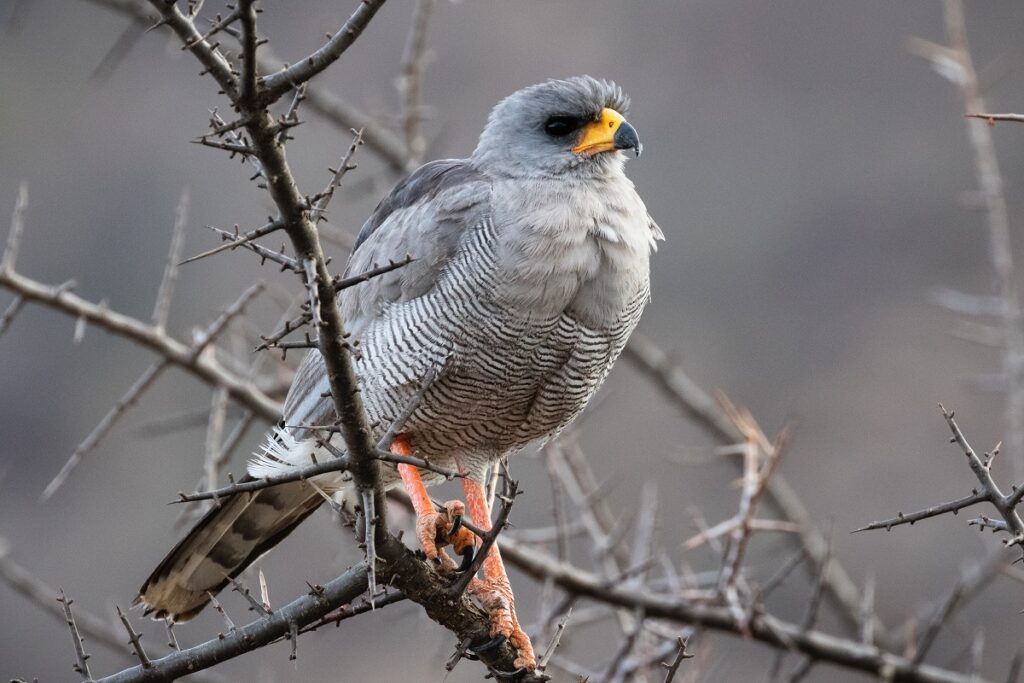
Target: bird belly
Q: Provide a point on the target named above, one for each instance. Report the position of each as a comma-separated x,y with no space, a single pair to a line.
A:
510,381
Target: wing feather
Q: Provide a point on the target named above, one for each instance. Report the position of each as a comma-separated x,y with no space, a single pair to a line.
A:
425,216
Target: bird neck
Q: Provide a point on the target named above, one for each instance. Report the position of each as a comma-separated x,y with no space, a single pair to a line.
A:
557,240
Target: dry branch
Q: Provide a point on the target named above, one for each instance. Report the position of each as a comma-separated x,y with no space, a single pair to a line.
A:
689,397
762,627
1005,504
203,366
263,631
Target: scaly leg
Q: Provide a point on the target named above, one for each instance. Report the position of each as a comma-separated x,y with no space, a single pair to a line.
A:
495,591
434,529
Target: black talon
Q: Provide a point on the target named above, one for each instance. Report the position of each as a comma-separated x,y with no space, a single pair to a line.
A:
495,642
420,555
456,525
515,675
467,560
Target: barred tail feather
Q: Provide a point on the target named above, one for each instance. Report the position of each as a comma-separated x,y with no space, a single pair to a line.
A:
221,545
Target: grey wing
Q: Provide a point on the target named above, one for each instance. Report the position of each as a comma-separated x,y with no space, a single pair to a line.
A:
425,216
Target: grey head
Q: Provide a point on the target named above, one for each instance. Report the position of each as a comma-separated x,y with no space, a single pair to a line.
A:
574,127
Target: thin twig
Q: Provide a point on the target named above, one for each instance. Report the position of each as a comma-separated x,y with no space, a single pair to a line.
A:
10,255
166,291
273,340
82,663
346,165
698,404
135,638
992,118
265,254
279,83
235,241
205,367
256,605
410,82
542,663
93,439
990,185
953,506
12,310
674,666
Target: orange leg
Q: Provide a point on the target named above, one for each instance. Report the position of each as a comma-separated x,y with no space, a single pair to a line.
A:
434,529
495,591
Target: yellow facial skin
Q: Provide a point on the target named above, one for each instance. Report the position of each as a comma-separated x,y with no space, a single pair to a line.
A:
599,136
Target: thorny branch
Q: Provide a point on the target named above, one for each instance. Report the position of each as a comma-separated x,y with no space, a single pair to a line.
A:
956,64
1004,503
649,610
251,101
698,404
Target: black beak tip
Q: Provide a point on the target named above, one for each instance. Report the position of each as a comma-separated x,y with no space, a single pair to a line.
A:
626,138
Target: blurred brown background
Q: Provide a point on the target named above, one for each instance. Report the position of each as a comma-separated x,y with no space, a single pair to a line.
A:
807,171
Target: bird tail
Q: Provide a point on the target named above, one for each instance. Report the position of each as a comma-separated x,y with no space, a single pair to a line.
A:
221,545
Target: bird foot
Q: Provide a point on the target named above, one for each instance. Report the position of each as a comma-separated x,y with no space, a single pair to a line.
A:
436,530
495,596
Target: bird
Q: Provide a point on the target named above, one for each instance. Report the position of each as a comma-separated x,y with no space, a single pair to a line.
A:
530,270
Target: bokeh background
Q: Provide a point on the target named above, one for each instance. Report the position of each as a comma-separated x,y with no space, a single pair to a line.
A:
809,174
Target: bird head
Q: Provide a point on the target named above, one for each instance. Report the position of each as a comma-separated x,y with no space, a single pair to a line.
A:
575,126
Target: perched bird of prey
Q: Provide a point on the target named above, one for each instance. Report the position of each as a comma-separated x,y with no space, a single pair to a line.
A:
531,270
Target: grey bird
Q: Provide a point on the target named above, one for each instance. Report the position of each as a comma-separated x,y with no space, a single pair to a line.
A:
531,270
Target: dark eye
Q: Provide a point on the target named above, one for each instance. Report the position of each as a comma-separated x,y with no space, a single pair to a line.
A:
560,126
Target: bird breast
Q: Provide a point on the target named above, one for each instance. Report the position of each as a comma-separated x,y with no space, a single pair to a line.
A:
577,247
521,327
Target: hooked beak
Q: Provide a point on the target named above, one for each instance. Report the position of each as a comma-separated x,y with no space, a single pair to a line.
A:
610,132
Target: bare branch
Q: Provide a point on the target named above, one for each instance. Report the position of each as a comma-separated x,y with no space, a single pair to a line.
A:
82,665
135,638
214,433
207,54
10,254
163,297
542,663
953,506
273,340
409,82
27,584
674,666
254,604
346,165
387,146
281,82
689,397
265,254
990,185
762,627
236,240
10,312
93,439
304,610
247,14
992,118
324,102
203,366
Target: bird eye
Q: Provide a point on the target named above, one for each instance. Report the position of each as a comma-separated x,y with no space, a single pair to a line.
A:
560,126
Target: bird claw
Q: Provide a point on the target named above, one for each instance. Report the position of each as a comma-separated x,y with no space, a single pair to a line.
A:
467,560
456,525
488,645
514,675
